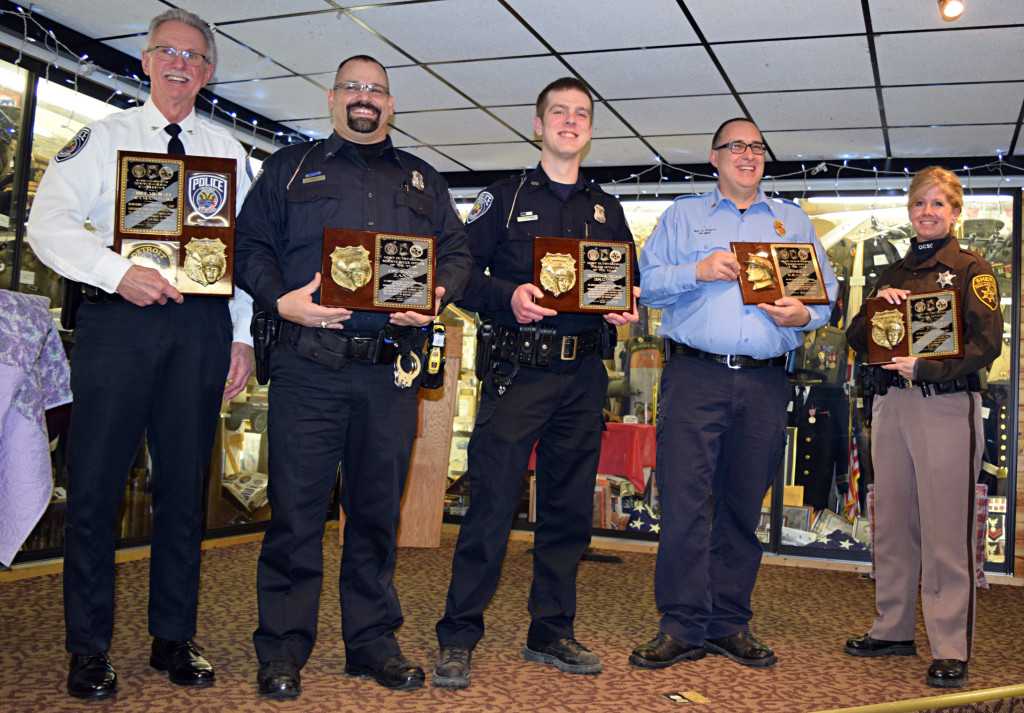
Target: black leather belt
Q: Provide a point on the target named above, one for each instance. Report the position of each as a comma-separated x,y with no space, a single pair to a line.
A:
331,347
95,295
536,345
733,361
883,380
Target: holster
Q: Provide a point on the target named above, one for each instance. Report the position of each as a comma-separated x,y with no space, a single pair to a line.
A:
71,298
484,347
264,331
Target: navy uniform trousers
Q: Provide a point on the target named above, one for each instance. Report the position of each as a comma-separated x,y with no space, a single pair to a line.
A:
320,417
157,370
721,432
562,407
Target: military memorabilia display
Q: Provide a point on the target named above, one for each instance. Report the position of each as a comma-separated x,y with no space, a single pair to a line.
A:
770,271
926,325
176,214
583,275
377,272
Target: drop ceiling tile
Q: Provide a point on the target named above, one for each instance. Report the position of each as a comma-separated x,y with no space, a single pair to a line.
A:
606,24
686,149
451,30
459,126
435,159
818,145
313,128
678,115
725,20
312,43
416,89
843,109
618,152
106,19
520,118
839,62
663,72
497,156
282,99
228,11
943,141
965,56
887,15
503,81
960,104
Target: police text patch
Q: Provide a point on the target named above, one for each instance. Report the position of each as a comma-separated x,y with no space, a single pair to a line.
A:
73,147
483,202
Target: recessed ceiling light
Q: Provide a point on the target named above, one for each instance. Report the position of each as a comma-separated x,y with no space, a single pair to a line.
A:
951,9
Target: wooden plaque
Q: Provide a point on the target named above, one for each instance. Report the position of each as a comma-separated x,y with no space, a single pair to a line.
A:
583,275
927,325
378,272
177,214
769,271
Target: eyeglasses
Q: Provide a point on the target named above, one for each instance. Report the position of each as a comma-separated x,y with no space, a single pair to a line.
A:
167,54
355,87
740,146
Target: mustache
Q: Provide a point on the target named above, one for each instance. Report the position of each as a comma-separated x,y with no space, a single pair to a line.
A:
363,105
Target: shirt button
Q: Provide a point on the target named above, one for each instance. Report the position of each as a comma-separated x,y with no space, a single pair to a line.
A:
369,195
369,222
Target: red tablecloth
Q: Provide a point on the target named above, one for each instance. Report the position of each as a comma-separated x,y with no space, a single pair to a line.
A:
626,448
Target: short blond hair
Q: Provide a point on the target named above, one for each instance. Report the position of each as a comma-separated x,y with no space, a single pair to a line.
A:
928,178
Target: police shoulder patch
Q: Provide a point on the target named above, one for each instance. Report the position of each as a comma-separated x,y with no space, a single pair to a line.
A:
73,148
483,202
986,290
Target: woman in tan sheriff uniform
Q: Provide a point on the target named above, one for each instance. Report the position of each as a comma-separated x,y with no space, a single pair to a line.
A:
927,443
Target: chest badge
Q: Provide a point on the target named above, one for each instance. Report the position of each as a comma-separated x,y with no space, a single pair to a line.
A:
417,180
350,266
599,213
780,228
945,279
557,273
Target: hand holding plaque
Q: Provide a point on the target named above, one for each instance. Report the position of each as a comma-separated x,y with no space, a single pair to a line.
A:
770,271
377,272
583,275
927,326
176,214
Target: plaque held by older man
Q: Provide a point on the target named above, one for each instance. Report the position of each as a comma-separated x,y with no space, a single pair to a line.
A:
377,272
927,325
583,275
176,214
769,271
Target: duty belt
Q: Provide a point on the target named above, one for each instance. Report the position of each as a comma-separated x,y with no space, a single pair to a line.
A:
503,350
330,348
882,380
733,361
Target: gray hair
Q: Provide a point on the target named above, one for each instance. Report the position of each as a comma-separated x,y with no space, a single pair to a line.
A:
191,20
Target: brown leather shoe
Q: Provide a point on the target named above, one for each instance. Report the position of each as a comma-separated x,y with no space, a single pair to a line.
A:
664,650
869,646
947,673
742,648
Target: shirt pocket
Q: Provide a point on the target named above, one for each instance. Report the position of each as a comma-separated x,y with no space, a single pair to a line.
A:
417,210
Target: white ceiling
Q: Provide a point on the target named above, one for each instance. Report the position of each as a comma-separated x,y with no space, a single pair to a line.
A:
465,73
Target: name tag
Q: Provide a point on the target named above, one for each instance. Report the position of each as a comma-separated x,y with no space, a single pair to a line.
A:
313,178
526,217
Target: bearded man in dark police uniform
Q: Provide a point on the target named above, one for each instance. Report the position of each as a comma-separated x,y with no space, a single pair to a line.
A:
333,402
146,360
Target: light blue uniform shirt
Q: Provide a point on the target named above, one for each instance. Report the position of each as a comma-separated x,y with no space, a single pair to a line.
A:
711,316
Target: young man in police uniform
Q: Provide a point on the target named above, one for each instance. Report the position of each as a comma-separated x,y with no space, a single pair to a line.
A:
560,403
333,395
146,359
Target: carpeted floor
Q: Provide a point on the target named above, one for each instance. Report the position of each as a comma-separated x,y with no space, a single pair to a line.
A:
804,614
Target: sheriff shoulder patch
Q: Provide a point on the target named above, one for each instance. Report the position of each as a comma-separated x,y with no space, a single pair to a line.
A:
483,202
73,147
986,290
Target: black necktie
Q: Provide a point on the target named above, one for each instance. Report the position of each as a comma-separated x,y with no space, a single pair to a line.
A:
174,146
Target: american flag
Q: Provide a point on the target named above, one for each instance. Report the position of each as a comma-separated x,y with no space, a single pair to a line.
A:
851,503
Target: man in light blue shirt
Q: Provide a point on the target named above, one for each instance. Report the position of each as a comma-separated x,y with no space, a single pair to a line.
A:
724,390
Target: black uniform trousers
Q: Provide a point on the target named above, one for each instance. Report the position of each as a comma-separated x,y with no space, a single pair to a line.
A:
320,417
159,371
561,407
721,432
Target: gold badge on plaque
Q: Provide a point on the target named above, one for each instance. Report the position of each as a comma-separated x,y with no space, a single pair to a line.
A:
887,329
350,267
206,260
557,273
760,272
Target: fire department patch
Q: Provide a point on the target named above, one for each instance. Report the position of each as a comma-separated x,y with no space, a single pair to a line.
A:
986,290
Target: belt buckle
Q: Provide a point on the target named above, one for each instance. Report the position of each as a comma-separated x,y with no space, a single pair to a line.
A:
569,348
728,362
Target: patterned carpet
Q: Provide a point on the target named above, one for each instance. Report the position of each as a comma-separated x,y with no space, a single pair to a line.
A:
804,614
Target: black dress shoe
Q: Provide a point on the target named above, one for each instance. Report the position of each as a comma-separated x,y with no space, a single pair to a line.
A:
182,661
664,650
91,676
278,680
566,655
947,673
868,646
742,648
396,672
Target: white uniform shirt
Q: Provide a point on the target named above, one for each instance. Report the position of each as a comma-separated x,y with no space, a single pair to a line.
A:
81,184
